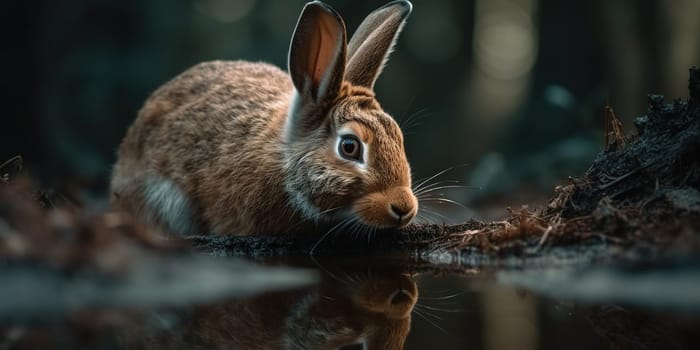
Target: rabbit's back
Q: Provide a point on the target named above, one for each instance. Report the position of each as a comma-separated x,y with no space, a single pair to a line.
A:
228,83
198,141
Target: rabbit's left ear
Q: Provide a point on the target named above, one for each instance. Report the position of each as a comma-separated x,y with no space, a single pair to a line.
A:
317,53
374,39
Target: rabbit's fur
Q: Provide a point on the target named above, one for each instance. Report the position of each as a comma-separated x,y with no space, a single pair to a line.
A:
236,147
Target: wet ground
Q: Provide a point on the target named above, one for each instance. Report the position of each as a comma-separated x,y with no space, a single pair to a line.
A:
564,299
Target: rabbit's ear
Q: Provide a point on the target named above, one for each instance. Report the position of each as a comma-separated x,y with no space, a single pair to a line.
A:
371,44
318,52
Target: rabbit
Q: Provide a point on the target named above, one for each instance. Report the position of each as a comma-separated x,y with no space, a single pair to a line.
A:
244,148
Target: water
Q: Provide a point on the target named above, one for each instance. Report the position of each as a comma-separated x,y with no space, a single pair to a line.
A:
348,303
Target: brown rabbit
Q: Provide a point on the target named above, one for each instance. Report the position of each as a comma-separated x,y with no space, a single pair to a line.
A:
236,147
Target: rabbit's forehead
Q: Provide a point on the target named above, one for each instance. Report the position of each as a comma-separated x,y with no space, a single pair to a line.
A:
370,125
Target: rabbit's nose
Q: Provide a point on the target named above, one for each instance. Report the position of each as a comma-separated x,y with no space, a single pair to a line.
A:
400,210
401,206
403,212
403,215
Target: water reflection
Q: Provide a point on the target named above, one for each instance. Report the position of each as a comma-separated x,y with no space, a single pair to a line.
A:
350,305
366,303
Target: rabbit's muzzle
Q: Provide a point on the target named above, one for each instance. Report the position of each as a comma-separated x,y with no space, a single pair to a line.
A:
394,207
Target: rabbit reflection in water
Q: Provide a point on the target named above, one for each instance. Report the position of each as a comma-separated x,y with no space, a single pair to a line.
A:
369,307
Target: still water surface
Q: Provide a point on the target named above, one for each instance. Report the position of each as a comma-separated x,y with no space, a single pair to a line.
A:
372,303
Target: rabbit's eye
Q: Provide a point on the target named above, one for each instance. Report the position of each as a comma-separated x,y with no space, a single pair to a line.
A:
350,148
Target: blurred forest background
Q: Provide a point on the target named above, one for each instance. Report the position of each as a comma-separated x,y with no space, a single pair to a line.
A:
514,89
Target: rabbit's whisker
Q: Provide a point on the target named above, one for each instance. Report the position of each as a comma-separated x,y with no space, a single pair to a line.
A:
424,181
437,187
320,266
444,297
443,200
340,224
427,313
327,211
418,312
434,214
414,119
438,309
422,219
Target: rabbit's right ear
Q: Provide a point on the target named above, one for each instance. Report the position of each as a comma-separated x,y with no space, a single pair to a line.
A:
318,52
374,39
